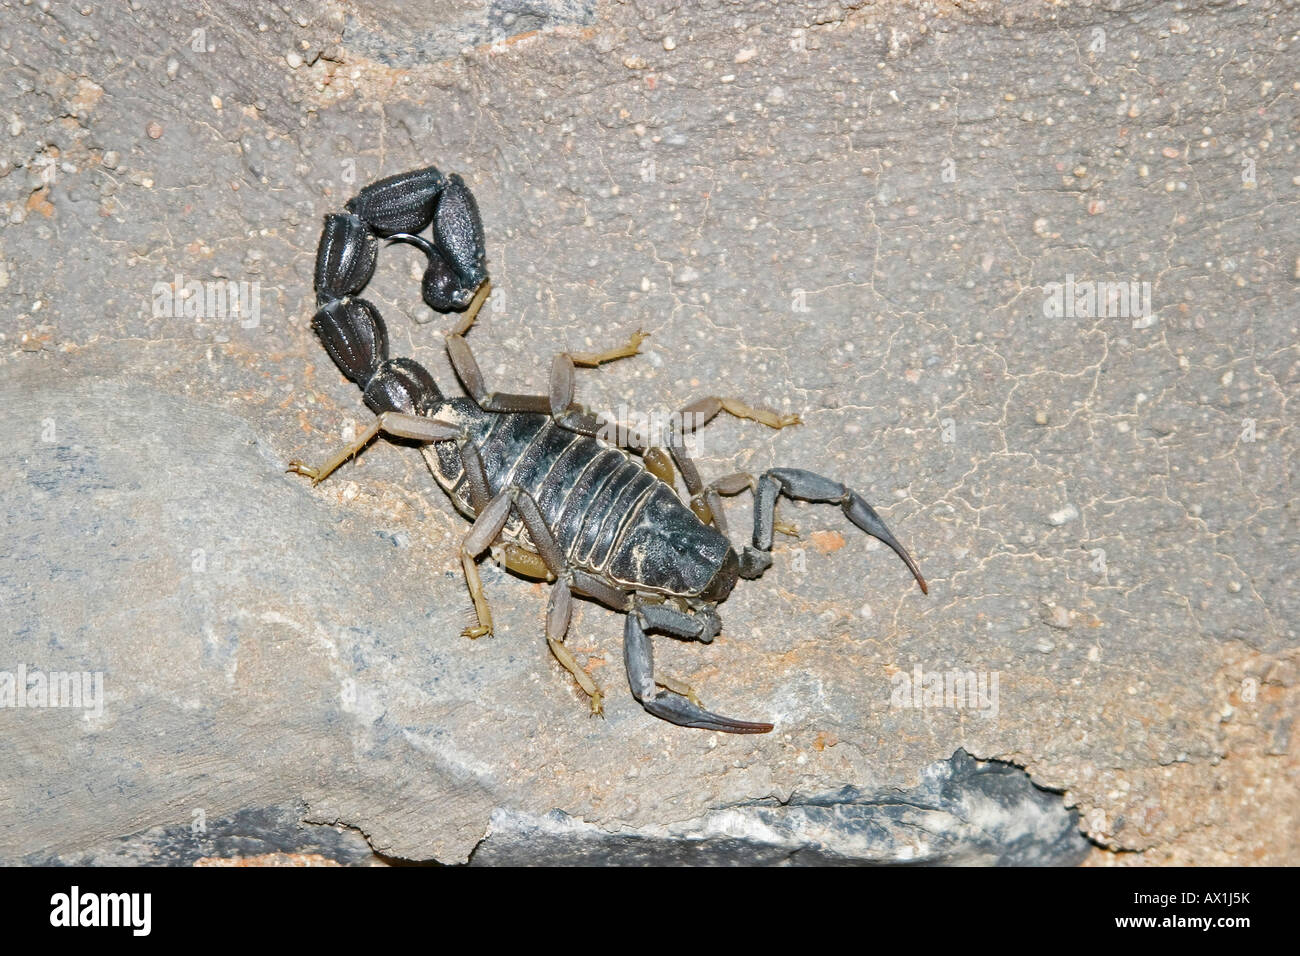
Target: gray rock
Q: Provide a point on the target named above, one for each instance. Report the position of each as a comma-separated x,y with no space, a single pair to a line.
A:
266,836
963,813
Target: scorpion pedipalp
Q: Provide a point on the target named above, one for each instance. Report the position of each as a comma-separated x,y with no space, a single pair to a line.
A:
679,706
809,486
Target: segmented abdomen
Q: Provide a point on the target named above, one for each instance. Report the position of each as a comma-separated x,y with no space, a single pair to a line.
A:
588,493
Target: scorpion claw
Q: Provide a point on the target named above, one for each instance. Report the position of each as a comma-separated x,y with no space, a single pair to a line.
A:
669,705
808,486
865,517
477,631
681,711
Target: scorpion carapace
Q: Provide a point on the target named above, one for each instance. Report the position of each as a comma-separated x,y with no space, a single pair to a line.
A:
568,498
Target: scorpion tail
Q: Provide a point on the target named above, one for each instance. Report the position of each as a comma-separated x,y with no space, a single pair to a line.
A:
421,243
401,203
442,288
354,335
345,258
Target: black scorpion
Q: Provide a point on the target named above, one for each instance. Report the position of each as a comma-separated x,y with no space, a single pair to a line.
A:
590,508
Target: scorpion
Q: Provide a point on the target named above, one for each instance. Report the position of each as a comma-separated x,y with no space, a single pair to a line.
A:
554,492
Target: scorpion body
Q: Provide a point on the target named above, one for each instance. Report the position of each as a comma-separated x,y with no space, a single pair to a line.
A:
545,482
607,513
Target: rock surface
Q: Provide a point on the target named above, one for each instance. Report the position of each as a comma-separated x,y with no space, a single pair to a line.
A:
869,214
962,813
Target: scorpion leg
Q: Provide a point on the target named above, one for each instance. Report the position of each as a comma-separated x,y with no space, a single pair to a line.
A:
395,424
638,656
467,370
577,418
562,384
558,614
481,500
593,587
596,359
476,303
561,603
707,503
515,500
559,403
807,486
705,500
476,476
708,507
486,527
702,411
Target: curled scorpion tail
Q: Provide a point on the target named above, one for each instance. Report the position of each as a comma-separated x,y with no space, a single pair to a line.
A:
351,328
353,333
401,203
345,257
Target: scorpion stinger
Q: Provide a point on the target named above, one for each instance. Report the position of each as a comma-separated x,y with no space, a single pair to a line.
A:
442,288
457,254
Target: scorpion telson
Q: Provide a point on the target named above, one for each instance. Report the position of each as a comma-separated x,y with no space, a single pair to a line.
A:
591,508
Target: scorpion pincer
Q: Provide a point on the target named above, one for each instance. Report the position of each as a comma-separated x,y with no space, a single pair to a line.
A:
568,499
